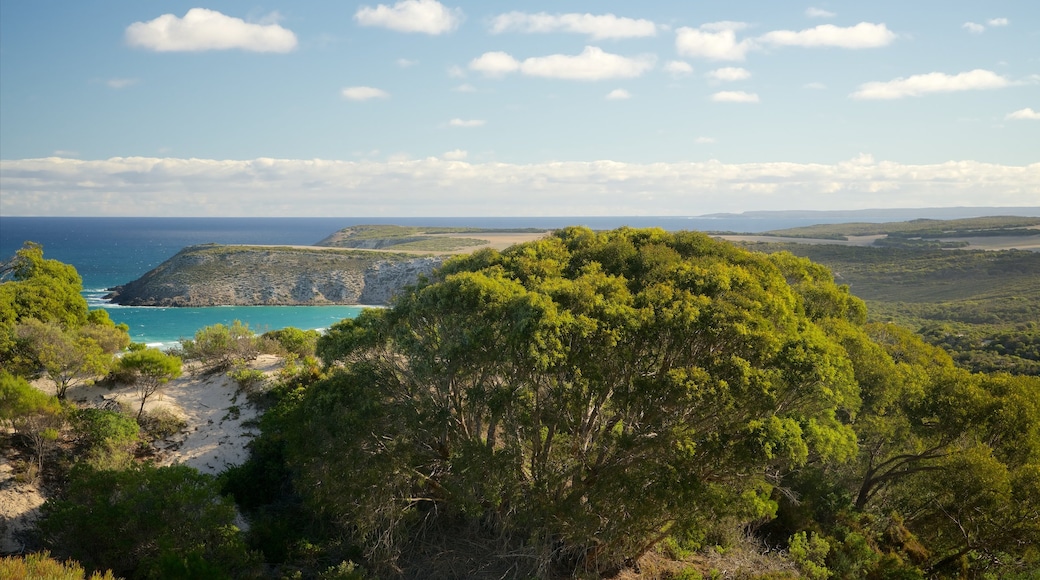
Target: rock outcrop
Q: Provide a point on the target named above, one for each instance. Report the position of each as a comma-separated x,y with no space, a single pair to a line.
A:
214,275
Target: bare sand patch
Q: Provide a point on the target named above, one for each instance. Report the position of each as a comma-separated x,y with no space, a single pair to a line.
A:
19,508
220,419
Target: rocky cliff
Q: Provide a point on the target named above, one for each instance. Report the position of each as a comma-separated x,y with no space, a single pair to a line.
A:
214,275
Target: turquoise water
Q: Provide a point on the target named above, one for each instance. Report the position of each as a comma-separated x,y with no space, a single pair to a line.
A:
111,251
164,327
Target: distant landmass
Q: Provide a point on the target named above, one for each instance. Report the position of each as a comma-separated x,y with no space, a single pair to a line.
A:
886,214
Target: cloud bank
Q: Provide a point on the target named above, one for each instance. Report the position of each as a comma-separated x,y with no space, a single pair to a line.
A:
449,186
203,29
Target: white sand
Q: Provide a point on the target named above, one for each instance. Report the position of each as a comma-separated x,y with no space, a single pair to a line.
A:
213,407
214,439
19,508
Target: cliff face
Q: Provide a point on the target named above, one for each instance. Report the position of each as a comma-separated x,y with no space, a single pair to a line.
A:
214,275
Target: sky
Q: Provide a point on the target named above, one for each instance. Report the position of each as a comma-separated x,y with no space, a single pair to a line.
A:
537,108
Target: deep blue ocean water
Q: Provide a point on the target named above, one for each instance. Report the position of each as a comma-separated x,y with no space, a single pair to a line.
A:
111,251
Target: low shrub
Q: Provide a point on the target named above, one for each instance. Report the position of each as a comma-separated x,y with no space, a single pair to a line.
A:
161,423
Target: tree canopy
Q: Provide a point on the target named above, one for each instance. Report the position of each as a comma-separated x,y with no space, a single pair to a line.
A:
593,392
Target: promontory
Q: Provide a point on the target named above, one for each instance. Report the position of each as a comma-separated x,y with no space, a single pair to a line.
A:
364,265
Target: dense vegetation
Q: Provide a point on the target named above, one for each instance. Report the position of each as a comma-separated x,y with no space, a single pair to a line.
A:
575,404
661,403
981,306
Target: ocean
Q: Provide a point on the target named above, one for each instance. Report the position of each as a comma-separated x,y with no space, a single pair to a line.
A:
108,252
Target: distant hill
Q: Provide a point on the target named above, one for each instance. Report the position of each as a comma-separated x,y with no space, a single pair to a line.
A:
888,214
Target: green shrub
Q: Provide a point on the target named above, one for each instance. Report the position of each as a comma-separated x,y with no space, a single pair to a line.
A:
809,553
161,423
146,522
295,341
41,566
248,379
108,437
220,347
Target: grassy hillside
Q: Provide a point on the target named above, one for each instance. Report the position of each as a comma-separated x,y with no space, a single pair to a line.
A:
417,239
982,306
922,228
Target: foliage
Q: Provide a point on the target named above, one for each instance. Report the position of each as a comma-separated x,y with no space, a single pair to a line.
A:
981,306
294,341
809,553
160,424
590,393
108,438
44,289
248,379
220,347
35,416
41,566
152,369
146,522
67,357
43,301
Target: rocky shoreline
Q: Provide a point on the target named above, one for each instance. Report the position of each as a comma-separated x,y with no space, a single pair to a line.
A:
216,275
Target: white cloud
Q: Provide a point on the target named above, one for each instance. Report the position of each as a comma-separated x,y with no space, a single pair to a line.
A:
406,63
734,97
465,88
597,26
455,155
705,140
973,28
494,64
120,83
139,186
935,82
678,68
714,41
862,35
819,13
816,86
203,29
456,72
998,22
618,95
467,122
364,93
593,64
1026,113
729,74
426,16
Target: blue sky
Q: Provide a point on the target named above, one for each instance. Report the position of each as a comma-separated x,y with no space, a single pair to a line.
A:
537,108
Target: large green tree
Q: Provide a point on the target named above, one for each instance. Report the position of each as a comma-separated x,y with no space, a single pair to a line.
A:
591,393
67,357
45,323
